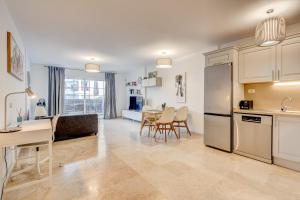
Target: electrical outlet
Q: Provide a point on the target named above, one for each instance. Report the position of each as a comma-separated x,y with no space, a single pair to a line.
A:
251,91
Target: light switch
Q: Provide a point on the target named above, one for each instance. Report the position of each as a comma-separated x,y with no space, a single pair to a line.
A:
251,91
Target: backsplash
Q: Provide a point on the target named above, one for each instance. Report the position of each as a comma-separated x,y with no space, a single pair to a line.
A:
269,96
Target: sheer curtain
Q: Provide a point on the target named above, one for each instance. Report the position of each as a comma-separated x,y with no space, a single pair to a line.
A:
110,110
56,87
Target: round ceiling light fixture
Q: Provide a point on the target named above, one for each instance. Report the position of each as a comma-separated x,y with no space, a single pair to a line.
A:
270,31
92,67
164,62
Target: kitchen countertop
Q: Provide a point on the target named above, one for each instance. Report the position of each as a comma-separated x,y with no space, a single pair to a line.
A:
267,112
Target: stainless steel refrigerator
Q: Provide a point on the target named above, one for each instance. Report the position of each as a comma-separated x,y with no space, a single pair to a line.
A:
218,106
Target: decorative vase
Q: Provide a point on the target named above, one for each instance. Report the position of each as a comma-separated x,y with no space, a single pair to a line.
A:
19,120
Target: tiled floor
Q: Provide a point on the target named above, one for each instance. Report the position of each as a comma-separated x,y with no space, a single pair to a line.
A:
119,164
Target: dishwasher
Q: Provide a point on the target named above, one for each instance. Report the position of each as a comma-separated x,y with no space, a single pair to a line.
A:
253,136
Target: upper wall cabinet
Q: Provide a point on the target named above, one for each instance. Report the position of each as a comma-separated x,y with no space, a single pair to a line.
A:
218,57
152,82
257,64
288,60
267,64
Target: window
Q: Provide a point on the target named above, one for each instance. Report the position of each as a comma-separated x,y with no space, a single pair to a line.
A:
84,96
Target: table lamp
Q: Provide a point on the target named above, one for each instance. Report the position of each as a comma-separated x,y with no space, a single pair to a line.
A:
40,112
27,91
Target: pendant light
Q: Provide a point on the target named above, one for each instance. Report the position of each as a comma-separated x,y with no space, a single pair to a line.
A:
92,67
270,31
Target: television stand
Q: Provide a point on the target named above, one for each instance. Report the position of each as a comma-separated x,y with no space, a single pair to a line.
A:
132,114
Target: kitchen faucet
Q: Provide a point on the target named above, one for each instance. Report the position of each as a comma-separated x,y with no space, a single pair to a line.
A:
284,107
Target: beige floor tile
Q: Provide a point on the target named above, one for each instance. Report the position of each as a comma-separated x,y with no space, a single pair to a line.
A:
119,164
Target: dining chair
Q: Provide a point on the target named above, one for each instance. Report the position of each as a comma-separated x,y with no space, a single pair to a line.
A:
37,147
148,119
165,122
181,118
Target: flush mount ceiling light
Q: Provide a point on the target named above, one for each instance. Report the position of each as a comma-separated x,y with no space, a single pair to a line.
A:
92,67
270,31
164,62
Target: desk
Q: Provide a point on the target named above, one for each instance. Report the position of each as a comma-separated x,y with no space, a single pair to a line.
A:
32,132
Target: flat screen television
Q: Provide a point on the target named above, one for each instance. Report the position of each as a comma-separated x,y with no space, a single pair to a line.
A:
136,103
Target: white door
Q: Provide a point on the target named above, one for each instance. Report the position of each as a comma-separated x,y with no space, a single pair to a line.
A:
288,60
286,138
257,64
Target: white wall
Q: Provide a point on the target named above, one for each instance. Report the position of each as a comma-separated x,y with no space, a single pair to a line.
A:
133,77
39,83
193,65
7,82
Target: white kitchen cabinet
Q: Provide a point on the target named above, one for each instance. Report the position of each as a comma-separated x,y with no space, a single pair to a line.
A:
152,82
257,64
132,114
286,141
288,60
219,57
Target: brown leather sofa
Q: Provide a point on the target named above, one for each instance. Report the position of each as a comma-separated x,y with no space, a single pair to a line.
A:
73,126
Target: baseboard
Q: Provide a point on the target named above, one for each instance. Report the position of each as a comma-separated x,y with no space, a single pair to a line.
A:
287,164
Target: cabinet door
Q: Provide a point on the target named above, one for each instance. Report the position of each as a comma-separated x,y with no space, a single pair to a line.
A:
145,83
288,60
257,64
218,58
286,138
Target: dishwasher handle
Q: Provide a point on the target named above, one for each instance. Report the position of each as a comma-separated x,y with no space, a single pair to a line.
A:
251,119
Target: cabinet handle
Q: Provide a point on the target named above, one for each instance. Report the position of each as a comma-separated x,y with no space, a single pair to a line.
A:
278,74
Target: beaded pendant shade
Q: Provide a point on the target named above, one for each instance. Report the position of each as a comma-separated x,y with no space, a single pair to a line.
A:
270,31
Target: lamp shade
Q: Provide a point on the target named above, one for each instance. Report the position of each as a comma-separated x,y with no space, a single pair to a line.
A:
164,63
270,31
29,92
40,111
92,67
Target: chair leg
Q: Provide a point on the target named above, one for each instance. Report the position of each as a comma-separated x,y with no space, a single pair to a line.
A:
16,158
156,129
173,129
165,134
37,160
187,128
169,131
149,131
142,126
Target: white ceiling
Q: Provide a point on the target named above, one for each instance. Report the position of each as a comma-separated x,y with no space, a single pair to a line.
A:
123,34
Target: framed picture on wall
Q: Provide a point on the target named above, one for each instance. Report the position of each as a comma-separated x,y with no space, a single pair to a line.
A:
15,59
180,87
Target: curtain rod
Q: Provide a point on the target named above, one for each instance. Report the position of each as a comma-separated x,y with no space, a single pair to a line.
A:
68,68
